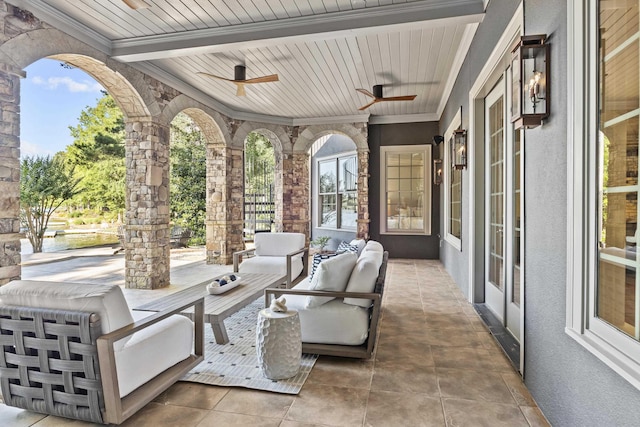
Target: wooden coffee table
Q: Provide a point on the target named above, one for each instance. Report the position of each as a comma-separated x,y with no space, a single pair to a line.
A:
219,307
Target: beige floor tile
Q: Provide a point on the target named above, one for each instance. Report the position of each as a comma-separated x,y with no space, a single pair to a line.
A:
253,402
449,308
156,414
402,350
468,358
16,417
387,409
52,421
289,423
453,338
227,419
518,389
193,395
451,321
474,385
402,378
342,372
473,413
534,416
333,406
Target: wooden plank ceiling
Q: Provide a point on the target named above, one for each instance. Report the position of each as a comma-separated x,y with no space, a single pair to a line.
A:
322,51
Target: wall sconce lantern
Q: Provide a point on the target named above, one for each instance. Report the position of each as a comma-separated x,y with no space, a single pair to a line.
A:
530,81
437,171
459,149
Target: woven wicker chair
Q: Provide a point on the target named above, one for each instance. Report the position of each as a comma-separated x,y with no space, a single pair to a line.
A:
58,362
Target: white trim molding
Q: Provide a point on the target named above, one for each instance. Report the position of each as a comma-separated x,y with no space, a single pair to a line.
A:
456,123
475,134
614,348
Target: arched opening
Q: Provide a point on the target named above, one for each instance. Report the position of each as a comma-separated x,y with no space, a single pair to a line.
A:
187,182
334,189
70,118
259,185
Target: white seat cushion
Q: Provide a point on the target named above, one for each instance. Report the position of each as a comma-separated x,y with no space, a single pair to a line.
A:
330,323
331,275
271,265
152,351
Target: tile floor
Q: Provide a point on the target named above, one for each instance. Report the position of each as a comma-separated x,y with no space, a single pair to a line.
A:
435,365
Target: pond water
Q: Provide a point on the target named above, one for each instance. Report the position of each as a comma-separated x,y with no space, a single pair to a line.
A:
71,241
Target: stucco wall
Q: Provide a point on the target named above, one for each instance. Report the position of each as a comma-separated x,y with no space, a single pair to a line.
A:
498,15
419,247
571,386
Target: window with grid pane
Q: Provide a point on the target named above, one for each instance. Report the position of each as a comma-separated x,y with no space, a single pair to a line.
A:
406,207
338,192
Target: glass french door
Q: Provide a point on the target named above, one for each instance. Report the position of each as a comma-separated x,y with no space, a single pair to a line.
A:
503,216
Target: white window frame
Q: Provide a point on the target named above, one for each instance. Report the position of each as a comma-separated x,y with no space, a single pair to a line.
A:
336,158
456,123
616,349
426,202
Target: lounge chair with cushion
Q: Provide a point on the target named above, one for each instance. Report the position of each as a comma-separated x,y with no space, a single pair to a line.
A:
76,351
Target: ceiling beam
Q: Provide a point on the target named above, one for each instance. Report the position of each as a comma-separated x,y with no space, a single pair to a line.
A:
306,28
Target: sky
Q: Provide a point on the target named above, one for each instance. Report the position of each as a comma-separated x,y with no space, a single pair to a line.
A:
52,98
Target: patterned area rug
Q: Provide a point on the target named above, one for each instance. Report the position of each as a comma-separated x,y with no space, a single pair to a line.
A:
236,364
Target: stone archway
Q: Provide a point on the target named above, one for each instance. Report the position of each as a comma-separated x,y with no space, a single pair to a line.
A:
224,179
358,133
281,139
26,40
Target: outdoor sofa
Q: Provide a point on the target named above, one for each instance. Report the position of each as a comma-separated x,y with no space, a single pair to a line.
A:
339,307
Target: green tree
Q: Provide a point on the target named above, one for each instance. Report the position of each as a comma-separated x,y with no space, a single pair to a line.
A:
44,185
97,153
99,134
188,177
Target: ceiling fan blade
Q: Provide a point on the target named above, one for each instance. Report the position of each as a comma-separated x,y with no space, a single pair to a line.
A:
263,79
137,4
213,76
240,91
370,104
400,98
366,92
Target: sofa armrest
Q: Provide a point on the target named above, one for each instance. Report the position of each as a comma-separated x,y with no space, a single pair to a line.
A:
117,409
275,293
236,258
305,264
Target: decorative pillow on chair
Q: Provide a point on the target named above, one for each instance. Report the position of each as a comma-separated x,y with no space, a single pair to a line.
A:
346,247
331,275
317,259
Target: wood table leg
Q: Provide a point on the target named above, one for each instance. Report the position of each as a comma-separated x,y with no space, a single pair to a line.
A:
219,331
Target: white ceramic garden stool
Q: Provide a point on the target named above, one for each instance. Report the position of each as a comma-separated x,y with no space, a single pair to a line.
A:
279,343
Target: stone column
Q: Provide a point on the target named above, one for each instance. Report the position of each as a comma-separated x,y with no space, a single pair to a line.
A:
295,193
147,248
225,196
9,173
363,195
